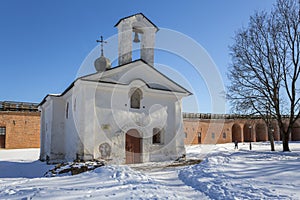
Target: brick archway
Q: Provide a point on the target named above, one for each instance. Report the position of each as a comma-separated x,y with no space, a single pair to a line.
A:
261,132
247,133
295,132
236,133
276,131
133,147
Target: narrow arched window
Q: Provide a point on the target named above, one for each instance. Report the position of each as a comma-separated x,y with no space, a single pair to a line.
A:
2,130
67,110
74,105
156,138
224,135
135,99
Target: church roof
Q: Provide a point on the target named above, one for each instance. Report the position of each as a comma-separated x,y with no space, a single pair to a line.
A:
173,86
134,16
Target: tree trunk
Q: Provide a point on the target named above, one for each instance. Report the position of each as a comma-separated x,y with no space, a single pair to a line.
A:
285,141
271,139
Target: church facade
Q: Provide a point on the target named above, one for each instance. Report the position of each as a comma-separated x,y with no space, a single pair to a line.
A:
130,113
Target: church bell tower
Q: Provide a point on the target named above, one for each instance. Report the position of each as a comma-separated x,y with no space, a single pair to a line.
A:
136,28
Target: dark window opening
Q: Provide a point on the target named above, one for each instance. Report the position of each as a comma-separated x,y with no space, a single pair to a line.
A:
213,136
199,137
135,99
2,130
224,135
156,139
2,137
67,110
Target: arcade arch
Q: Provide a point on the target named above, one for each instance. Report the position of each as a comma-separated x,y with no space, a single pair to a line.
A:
236,133
295,134
247,132
261,132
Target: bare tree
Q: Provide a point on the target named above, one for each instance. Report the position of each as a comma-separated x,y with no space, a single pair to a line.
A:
265,68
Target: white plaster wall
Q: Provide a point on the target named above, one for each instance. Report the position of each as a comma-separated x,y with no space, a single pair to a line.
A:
103,114
57,129
42,134
148,42
46,120
48,127
157,111
78,115
86,119
168,149
72,140
179,127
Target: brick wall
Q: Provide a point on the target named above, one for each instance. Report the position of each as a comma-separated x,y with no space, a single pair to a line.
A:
22,129
207,131
217,131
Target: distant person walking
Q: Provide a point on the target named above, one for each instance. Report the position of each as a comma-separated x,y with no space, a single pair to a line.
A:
236,144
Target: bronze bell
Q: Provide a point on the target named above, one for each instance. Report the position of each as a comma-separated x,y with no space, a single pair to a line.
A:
136,37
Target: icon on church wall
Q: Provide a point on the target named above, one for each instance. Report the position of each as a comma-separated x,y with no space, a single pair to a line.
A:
105,150
105,126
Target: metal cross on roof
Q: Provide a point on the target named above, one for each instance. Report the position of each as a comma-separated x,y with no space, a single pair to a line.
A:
102,42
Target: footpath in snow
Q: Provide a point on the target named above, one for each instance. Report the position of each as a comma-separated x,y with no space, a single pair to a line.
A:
244,174
225,173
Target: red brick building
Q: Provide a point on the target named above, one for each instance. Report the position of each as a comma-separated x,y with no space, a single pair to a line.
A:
19,125
215,128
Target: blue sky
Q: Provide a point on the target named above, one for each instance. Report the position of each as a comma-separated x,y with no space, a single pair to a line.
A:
43,43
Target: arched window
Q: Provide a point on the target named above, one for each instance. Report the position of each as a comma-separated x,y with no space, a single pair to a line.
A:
135,98
2,130
67,110
224,135
199,137
74,104
156,138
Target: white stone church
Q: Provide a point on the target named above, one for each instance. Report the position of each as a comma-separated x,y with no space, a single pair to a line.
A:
130,113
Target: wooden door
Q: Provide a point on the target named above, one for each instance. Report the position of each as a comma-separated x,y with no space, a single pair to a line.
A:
2,141
199,138
133,147
2,137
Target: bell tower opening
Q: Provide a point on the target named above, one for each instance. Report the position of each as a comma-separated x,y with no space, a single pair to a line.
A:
136,45
136,33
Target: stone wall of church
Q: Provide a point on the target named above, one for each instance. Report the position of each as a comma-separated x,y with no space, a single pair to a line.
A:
22,129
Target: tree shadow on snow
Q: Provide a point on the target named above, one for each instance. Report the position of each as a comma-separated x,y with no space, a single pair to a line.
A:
272,165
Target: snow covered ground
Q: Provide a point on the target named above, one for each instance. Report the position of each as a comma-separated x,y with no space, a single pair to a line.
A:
225,173
244,174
